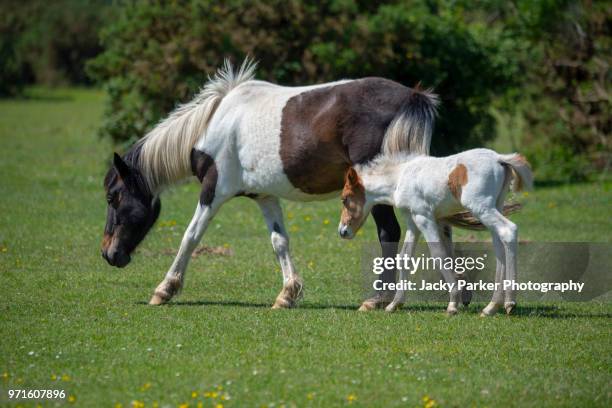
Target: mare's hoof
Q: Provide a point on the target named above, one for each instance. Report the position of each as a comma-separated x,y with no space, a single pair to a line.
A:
157,300
282,303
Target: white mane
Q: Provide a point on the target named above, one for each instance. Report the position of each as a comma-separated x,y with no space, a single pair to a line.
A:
384,164
166,150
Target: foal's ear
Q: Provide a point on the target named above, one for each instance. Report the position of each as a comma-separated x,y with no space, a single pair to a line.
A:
351,177
121,166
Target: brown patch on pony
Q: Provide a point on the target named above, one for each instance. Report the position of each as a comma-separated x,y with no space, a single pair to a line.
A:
457,179
106,241
325,130
204,168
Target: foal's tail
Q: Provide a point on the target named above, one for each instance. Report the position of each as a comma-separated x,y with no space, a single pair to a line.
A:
521,171
411,128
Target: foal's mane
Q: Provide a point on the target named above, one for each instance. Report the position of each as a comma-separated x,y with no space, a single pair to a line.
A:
164,152
383,163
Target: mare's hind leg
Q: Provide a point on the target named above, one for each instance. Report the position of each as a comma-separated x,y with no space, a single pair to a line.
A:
292,282
389,234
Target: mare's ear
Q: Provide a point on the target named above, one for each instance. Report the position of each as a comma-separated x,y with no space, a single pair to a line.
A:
350,177
121,166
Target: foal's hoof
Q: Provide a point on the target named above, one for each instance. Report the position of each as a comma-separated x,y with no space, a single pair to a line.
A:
490,310
509,306
392,307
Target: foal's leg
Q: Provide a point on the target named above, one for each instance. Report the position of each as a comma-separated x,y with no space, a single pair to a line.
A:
446,234
410,243
292,282
500,267
505,240
173,281
389,234
430,230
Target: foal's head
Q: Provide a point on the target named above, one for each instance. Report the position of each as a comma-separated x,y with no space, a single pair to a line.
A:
132,211
355,208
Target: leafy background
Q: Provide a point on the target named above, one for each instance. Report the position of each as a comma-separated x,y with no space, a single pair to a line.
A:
521,75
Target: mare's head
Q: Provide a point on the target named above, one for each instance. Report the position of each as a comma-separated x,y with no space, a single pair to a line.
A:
355,207
132,211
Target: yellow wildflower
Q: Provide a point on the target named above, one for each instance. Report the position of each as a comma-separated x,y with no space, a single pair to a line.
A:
326,221
71,398
351,397
310,395
145,386
138,404
307,218
219,406
53,377
184,405
5,376
65,377
194,394
118,405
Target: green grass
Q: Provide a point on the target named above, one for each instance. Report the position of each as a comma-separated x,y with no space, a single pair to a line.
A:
64,311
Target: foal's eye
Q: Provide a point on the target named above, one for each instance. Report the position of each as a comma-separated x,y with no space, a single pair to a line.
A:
344,200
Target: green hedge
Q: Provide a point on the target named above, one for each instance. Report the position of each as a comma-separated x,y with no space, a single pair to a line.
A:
159,53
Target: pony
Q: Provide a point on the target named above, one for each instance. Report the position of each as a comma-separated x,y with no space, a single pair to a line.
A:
426,189
243,137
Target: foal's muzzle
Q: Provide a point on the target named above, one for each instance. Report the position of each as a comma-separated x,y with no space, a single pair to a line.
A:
345,231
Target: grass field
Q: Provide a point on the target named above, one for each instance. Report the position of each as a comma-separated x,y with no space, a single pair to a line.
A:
69,321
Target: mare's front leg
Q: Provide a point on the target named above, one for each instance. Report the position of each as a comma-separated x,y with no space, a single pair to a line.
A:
410,243
175,276
437,249
389,234
292,282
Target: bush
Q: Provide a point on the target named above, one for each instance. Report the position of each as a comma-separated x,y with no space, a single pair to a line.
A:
159,53
48,44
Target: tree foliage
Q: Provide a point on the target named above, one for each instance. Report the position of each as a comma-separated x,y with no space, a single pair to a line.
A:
159,53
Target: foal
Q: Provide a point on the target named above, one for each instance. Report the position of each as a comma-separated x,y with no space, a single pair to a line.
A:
427,189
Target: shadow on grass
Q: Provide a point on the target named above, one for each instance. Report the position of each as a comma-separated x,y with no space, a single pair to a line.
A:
547,311
253,304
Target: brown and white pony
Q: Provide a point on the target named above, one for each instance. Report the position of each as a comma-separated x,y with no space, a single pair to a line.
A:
243,137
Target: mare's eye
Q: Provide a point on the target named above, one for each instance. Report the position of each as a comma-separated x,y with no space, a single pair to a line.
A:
344,200
112,199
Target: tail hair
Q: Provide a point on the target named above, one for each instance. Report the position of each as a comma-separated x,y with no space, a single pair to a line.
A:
411,128
521,171
466,220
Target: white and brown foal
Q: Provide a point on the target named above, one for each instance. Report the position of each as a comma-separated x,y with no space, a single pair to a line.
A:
427,189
